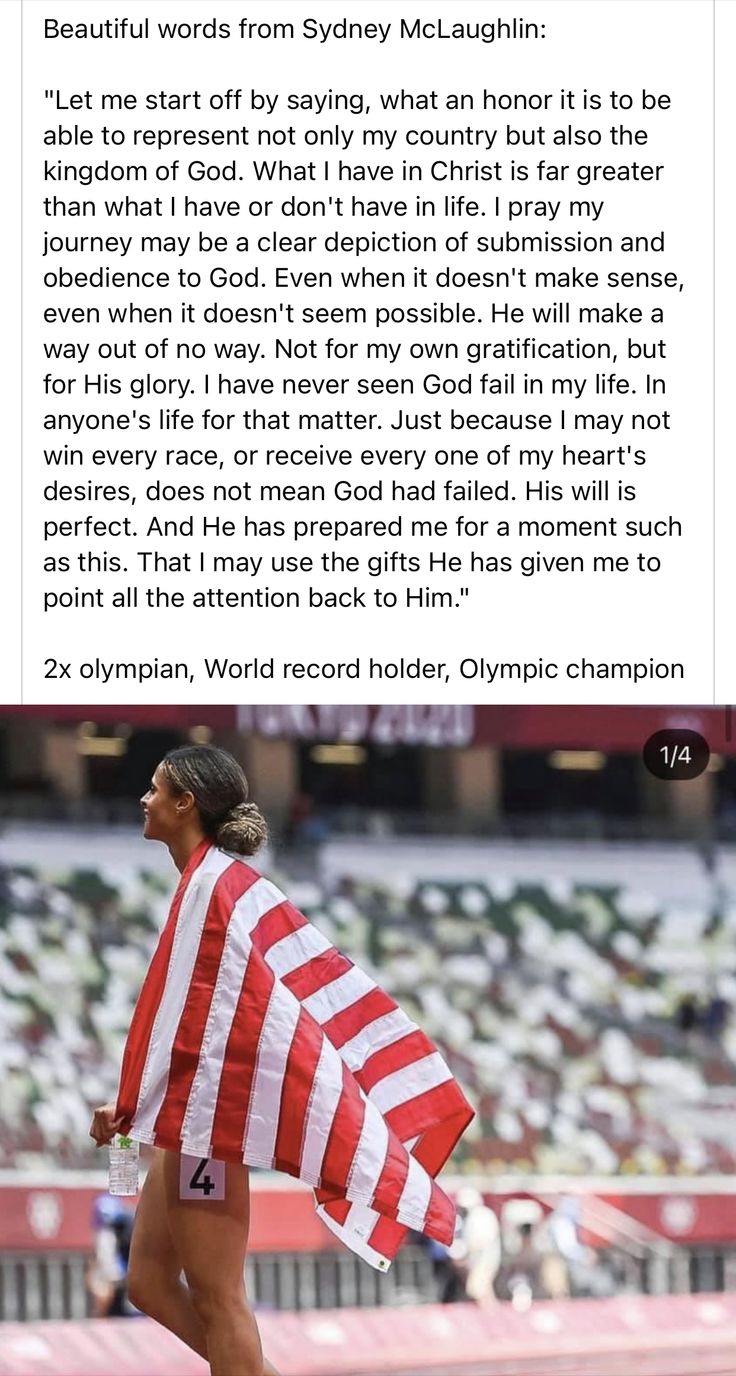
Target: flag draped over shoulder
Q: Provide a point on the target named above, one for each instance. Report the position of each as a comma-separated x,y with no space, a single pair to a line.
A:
254,1040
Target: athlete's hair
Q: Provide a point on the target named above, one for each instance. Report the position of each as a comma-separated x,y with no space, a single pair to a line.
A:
220,791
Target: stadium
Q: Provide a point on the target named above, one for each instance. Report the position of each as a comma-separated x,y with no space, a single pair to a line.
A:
552,903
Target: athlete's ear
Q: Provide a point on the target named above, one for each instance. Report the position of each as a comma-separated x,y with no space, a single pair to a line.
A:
184,804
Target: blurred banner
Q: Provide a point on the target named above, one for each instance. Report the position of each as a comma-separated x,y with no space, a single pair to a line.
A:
650,1337
56,1216
605,728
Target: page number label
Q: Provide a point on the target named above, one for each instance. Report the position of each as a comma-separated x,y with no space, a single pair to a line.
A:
676,754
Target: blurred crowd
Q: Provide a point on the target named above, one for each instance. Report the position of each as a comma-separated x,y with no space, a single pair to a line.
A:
590,1027
519,1254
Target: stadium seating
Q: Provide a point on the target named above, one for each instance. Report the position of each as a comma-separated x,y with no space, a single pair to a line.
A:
555,1004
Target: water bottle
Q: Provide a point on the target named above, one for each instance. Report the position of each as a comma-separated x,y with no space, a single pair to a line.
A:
123,1168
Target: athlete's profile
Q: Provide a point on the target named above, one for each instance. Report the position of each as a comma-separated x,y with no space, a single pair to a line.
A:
254,1042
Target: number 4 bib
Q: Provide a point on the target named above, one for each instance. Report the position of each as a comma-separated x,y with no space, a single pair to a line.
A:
201,1178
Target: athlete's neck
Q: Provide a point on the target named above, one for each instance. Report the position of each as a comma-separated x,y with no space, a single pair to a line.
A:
182,848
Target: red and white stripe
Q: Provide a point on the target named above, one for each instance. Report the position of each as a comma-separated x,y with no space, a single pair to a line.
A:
255,1040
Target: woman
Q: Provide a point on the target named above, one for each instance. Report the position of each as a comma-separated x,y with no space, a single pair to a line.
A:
255,1042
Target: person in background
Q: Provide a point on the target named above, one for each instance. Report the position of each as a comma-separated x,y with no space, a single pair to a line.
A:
587,1273
520,1278
476,1250
562,1230
687,1015
107,1272
449,1276
715,1017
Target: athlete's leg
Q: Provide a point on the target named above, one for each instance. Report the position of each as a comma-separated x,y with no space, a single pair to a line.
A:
210,1237
154,1269
154,1272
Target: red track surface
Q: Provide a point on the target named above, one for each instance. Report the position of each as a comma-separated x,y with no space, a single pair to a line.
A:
634,1363
673,1336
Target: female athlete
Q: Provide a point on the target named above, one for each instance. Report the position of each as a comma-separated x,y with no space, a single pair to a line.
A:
254,1042
196,794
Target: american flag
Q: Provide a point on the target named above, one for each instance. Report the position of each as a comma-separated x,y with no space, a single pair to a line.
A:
254,1040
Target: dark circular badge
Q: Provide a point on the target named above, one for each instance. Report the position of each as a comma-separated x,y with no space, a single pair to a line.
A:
676,754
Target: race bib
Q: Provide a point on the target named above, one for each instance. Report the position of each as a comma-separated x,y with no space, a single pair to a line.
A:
201,1178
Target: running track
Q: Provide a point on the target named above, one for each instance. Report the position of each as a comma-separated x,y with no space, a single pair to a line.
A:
693,1335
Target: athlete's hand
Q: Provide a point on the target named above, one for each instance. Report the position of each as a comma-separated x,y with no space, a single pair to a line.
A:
104,1125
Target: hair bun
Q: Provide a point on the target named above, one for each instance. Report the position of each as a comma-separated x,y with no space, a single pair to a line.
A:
242,830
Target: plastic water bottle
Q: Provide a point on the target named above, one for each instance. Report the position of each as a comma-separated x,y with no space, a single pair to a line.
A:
123,1168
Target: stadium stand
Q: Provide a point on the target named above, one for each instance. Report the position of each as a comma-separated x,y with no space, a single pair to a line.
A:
559,1006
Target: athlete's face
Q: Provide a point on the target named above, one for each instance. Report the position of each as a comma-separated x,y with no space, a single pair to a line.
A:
163,811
